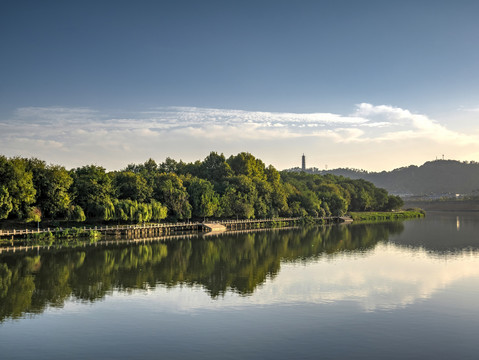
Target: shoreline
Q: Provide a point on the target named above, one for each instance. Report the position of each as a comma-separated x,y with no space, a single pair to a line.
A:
95,233
73,236
387,215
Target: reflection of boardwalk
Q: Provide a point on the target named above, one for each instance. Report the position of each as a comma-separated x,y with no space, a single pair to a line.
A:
138,240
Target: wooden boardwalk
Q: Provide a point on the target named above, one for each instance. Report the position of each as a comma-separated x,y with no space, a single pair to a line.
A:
143,240
161,229
214,227
111,229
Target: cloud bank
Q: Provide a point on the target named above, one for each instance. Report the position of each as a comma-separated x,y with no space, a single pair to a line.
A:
77,136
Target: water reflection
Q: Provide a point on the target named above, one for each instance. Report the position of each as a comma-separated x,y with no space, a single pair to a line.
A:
317,265
389,277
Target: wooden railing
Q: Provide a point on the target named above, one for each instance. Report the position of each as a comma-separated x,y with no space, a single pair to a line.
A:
106,228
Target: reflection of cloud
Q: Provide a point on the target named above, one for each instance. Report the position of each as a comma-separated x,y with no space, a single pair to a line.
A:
388,277
104,137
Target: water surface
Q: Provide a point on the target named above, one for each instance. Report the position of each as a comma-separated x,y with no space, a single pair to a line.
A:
396,290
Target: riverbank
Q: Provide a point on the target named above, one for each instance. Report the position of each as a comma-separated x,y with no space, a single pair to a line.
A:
48,236
387,215
65,236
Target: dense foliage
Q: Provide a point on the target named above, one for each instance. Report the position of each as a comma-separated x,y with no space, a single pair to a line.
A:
433,177
238,187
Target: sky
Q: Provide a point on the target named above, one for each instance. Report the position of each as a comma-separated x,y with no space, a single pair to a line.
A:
370,84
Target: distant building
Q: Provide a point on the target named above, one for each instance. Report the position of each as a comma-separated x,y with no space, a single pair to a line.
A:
303,163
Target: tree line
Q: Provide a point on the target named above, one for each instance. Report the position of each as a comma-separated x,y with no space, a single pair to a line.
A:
433,177
240,186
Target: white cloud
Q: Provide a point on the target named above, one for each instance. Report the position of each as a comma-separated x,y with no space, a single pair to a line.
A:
469,109
416,126
113,139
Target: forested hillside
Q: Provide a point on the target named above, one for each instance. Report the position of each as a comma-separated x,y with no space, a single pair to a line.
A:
238,187
434,177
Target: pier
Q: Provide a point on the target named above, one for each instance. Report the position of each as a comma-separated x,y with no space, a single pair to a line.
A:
214,227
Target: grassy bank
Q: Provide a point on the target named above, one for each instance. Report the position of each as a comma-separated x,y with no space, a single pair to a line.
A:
387,215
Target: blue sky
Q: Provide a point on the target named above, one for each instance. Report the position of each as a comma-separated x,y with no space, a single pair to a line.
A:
363,84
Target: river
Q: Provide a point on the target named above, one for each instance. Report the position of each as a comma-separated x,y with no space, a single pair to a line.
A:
362,291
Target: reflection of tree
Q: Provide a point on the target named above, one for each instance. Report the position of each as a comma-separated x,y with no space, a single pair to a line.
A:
238,263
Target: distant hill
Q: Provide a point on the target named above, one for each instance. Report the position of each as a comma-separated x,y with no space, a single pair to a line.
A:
433,177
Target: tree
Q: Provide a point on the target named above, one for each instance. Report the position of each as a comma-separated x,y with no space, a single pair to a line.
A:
202,197
214,168
148,170
169,190
52,183
5,202
246,164
239,197
34,214
129,185
337,204
92,190
306,200
279,203
380,198
234,203
158,211
16,180
76,213
394,203
263,206
169,165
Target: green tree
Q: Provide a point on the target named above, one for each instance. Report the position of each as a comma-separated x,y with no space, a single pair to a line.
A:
246,164
202,197
337,204
263,206
17,182
92,190
239,197
149,169
279,203
158,211
168,166
394,203
133,186
5,202
214,168
34,214
76,213
169,190
52,183
380,198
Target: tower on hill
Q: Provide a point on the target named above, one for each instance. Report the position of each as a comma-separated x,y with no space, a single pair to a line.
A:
303,163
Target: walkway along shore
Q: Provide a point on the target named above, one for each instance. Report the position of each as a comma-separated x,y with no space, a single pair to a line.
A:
136,240
161,229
